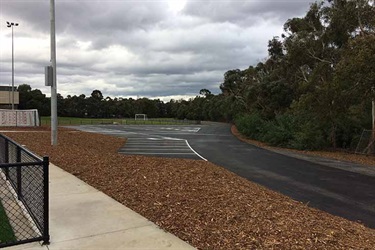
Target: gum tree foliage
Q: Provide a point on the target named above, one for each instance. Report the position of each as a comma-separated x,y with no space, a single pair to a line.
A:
94,106
318,80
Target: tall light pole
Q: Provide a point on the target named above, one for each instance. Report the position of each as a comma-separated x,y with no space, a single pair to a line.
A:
11,25
54,78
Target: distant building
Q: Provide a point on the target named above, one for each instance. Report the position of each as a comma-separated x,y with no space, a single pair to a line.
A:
6,97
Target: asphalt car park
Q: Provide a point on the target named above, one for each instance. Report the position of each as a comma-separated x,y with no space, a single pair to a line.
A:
340,188
157,141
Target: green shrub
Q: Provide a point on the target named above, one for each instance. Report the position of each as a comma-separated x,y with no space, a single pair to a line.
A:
250,125
288,130
279,132
309,136
294,132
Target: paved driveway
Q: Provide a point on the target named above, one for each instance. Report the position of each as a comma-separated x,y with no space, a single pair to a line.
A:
342,189
159,141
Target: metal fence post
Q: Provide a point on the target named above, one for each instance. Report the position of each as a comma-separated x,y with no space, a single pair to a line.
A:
19,174
46,235
6,157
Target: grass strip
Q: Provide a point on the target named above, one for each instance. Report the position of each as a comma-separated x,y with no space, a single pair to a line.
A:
45,120
6,231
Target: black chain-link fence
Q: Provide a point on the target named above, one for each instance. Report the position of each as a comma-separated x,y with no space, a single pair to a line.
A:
366,143
23,195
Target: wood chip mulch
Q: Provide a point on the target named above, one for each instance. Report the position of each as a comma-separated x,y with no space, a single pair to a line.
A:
201,203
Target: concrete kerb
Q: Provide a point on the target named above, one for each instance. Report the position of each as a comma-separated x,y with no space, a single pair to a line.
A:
329,162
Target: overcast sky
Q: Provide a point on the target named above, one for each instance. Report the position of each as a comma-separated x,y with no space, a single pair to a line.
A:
155,49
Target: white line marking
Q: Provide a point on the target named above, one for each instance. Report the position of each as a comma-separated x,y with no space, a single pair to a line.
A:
187,143
160,149
172,139
172,147
19,131
155,144
144,153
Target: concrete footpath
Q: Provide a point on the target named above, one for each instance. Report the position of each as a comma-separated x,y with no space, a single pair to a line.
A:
82,217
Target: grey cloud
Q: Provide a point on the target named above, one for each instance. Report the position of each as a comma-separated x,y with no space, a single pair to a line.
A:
87,19
145,86
206,47
149,85
163,89
110,21
136,48
31,13
246,12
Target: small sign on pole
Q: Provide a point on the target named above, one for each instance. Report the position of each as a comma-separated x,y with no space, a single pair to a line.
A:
48,73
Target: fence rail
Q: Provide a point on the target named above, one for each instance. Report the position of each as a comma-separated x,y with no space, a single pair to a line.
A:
24,195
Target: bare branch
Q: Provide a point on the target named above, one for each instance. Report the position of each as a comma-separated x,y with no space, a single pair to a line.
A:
317,58
303,74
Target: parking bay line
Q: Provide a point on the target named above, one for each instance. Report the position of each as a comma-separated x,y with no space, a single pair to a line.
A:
152,153
146,143
157,143
141,145
161,149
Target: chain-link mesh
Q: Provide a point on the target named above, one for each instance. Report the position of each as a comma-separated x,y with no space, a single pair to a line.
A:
366,144
23,208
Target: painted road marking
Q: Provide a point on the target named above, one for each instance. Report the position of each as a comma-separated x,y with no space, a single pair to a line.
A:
155,149
184,129
192,155
148,142
187,143
163,146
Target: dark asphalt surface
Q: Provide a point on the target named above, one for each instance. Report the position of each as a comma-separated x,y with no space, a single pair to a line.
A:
343,193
